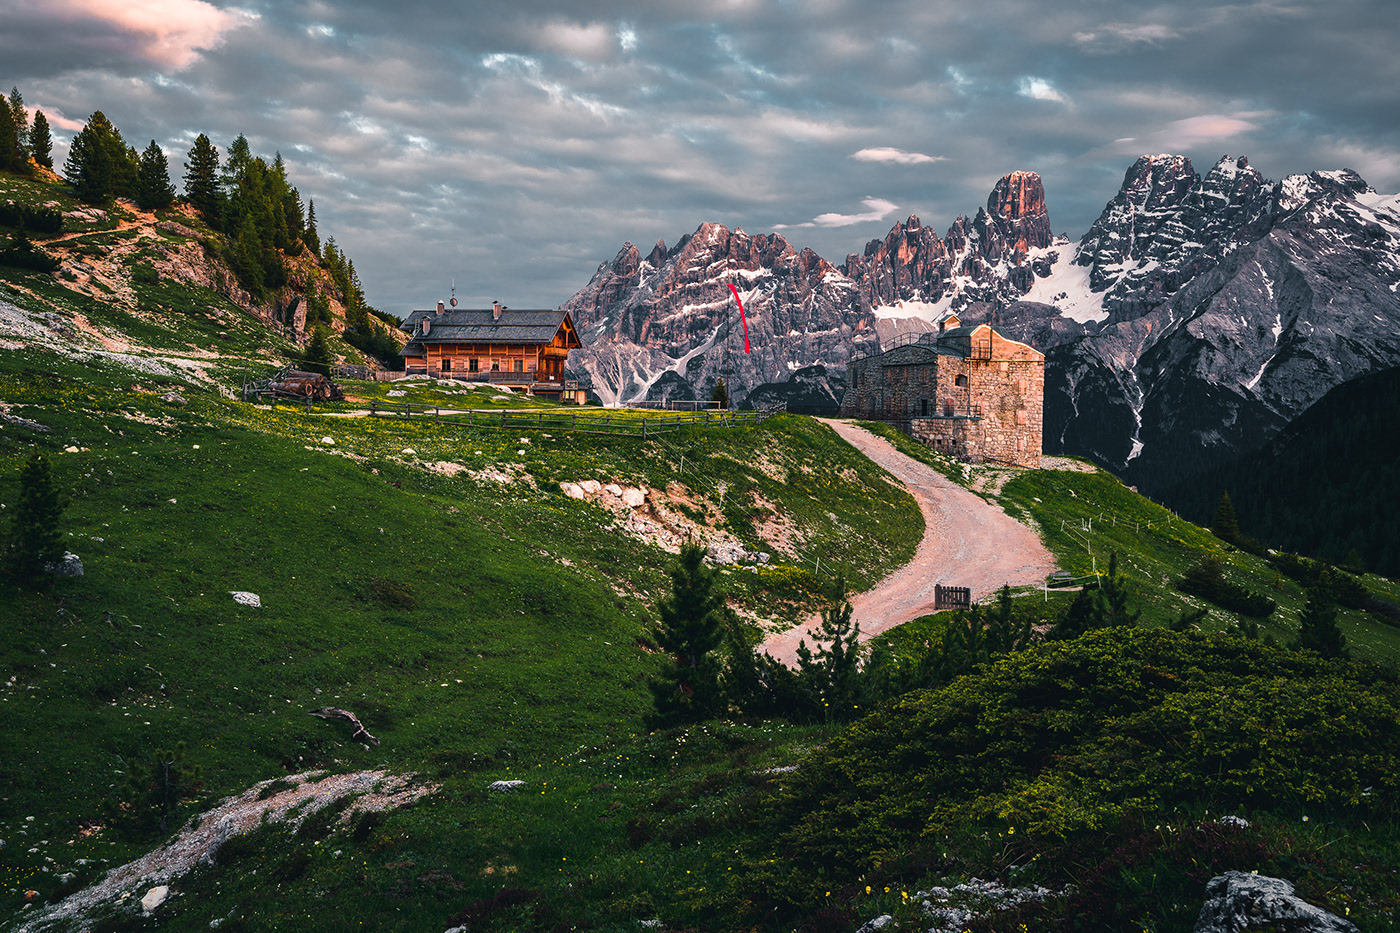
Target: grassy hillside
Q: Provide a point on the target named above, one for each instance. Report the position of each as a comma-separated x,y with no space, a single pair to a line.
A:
436,582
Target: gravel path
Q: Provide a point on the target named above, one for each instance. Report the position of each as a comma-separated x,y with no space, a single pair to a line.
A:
967,542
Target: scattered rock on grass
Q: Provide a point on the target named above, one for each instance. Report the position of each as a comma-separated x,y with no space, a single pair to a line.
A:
506,785
154,898
244,598
70,566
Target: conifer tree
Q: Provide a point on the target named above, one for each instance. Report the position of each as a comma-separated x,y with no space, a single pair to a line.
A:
311,238
721,395
1317,626
40,142
691,628
153,188
318,357
1225,525
21,118
34,533
1113,598
98,163
831,677
10,159
202,179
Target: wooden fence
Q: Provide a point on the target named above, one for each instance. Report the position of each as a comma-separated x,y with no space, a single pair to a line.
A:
579,421
951,597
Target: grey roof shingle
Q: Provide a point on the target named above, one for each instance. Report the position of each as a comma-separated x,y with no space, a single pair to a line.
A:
480,326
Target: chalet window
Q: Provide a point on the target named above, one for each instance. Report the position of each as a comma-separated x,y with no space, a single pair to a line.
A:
495,366
519,366
447,366
471,365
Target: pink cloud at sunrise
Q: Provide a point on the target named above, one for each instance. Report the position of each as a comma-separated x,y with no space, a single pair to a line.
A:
169,33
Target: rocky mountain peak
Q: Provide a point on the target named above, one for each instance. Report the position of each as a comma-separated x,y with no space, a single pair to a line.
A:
1018,202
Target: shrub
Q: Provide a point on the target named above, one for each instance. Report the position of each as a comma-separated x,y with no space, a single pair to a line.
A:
34,540
23,254
1206,579
1068,738
46,220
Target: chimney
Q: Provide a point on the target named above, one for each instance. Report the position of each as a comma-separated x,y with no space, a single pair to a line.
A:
427,325
496,310
441,307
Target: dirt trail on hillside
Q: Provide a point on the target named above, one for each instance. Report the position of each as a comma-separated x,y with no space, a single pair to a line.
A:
967,542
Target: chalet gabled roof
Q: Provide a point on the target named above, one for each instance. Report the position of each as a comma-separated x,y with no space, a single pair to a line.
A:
462,325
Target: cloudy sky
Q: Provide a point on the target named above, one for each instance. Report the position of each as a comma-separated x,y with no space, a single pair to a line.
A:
515,145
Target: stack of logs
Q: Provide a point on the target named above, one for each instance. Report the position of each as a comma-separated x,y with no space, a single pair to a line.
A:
300,384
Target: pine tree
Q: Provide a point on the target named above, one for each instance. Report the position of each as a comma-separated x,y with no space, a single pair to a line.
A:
691,628
21,118
1317,626
98,161
1112,602
202,179
318,357
153,188
1225,525
40,142
831,677
10,160
34,534
238,163
720,396
311,238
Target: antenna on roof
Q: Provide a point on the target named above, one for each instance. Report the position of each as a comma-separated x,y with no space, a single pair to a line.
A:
454,293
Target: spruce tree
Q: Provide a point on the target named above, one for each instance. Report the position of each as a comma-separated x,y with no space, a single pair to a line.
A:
1112,602
311,238
98,161
153,188
10,160
831,676
40,142
34,540
21,118
691,628
202,179
1225,525
720,395
1317,626
318,357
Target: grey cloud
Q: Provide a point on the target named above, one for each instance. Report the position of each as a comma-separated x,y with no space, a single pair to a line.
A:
517,146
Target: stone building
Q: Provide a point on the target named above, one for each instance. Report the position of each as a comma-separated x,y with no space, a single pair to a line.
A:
968,391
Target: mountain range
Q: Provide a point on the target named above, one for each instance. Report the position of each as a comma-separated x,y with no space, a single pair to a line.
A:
1194,319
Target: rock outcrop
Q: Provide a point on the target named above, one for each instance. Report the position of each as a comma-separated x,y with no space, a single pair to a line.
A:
1236,901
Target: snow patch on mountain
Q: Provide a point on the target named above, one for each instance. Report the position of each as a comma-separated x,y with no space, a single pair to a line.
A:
1067,287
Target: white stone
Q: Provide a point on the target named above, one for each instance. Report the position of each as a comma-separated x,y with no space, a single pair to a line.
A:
506,785
572,490
328,440
1236,901
591,486
613,489
155,897
244,598
633,497
409,452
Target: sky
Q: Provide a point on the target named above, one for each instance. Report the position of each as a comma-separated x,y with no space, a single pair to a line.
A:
514,146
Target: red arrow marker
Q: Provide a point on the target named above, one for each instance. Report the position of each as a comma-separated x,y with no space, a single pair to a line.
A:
742,319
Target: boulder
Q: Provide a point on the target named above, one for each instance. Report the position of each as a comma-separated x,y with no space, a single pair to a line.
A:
572,490
70,566
1236,901
632,497
613,489
506,785
591,486
244,598
155,897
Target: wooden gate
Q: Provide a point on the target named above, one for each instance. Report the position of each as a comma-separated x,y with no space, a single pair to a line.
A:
951,597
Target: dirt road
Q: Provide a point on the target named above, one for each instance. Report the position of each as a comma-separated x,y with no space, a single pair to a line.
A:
967,542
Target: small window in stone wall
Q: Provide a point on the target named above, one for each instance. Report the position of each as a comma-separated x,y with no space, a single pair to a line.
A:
961,380
1021,416
923,406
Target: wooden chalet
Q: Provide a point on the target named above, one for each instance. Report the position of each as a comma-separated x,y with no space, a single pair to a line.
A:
526,350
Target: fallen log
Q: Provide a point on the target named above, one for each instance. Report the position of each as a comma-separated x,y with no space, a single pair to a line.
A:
361,734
